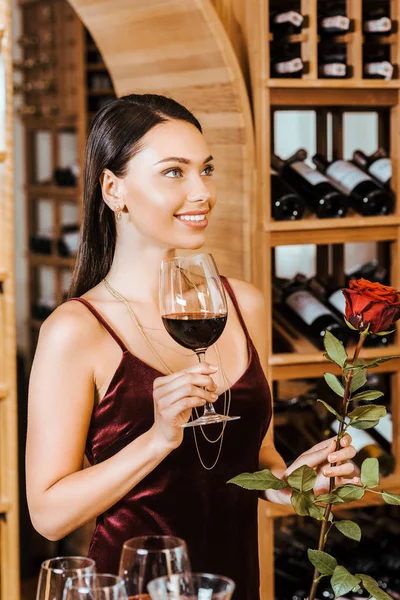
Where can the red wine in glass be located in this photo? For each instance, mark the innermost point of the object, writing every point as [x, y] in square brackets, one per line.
[194, 311]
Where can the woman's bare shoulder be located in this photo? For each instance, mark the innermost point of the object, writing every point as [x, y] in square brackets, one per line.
[249, 297]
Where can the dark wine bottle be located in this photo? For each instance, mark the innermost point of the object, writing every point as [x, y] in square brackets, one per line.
[285, 22]
[376, 20]
[376, 63]
[377, 164]
[286, 61]
[320, 195]
[332, 61]
[313, 317]
[333, 19]
[367, 196]
[69, 240]
[286, 204]
[368, 447]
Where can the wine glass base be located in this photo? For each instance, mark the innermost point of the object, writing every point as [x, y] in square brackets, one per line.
[209, 420]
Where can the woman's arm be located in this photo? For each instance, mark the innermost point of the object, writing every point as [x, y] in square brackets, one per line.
[62, 496]
[252, 304]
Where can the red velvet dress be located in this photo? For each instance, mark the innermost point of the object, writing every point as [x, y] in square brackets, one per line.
[181, 498]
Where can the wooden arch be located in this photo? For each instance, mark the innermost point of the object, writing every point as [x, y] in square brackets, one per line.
[179, 48]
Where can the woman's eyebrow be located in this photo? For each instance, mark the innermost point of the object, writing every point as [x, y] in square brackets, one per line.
[184, 161]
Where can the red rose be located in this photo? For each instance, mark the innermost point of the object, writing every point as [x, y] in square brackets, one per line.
[371, 304]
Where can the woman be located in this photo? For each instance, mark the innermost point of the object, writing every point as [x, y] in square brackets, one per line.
[100, 384]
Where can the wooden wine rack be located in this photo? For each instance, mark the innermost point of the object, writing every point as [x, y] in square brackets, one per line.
[9, 505]
[321, 95]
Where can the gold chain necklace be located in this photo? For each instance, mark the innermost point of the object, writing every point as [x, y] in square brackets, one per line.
[227, 392]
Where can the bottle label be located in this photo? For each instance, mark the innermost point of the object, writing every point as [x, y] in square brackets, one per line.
[381, 169]
[334, 69]
[382, 25]
[306, 306]
[337, 22]
[385, 427]
[383, 68]
[311, 175]
[346, 175]
[289, 66]
[290, 16]
[338, 300]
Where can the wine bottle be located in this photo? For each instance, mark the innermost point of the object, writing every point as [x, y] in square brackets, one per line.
[333, 18]
[377, 164]
[28, 40]
[314, 317]
[376, 63]
[320, 195]
[332, 61]
[367, 447]
[286, 204]
[377, 21]
[69, 240]
[367, 196]
[285, 22]
[286, 61]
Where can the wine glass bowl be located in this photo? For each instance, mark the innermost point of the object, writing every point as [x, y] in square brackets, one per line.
[54, 572]
[191, 586]
[194, 311]
[97, 586]
[146, 558]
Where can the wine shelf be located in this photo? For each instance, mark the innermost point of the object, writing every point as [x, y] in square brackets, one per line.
[4, 391]
[5, 506]
[367, 84]
[53, 191]
[47, 260]
[317, 231]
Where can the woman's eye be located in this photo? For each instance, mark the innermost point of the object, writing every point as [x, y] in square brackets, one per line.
[208, 170]
[173, 173]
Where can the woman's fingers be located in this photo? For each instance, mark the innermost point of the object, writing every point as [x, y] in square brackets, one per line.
[203, 368]
[341, 455]
[185, 392]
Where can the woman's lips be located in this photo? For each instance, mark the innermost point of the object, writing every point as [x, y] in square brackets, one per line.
[193, 221]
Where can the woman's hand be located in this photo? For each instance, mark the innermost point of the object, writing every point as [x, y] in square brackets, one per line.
[321, 456]
[174, 397]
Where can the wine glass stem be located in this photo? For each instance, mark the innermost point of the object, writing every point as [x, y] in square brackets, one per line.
[208, 407]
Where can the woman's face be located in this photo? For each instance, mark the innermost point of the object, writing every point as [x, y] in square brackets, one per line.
[169, 190]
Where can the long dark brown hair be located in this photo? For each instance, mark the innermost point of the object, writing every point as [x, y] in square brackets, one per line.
[114, 138]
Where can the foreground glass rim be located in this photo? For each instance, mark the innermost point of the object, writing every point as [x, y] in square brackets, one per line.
[46, 564]
[138, 543]
[196, 576]
[75, 582]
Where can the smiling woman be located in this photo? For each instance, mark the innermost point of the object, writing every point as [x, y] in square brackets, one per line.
[99, 384]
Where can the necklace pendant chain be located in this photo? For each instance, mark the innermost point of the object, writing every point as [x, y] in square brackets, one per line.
[227, 392]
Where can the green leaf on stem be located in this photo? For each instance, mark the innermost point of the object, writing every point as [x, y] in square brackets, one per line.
[334, 384]
[322, 561]
[385, 332]
[301, 503]
[358, 380]
[378, 361]
[373, 588]
[342, 581]
[363, 424]
[350, 325]
[360, 363]
[302, 479]
[349, 492]
[371, 412]
[329, 499]
[390, 498]
[335, 349]
[370, 472]
[349, 529]
[260, 480]
[368, 395]
[331, 409]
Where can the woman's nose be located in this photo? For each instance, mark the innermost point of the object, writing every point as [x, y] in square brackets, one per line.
[199, 193]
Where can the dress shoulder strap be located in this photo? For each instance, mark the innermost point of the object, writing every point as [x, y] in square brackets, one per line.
[235, 303]
[103, 322]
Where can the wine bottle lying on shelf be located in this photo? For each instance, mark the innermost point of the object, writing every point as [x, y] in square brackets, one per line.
[303, 309]
[286, 204]
[285, 22]
[376, 63]
[332, 61]
[367, 446]
[367, 196]
[43, 308]
[286, 61]
[320, 194]
[376, 20]
[333, 19]
[377, 164]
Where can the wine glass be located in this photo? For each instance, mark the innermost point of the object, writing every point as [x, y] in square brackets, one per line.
[97, 586]
[55, 571]
[191, 586]
[194, 311]
[145, 558]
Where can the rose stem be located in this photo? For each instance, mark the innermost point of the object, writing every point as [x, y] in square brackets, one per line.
[328, 509]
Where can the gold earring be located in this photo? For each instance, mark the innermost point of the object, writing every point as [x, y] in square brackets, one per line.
[118, 214]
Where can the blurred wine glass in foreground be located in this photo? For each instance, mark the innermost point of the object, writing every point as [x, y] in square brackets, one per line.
[55, 571]
[99, 586]
[191, 586]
